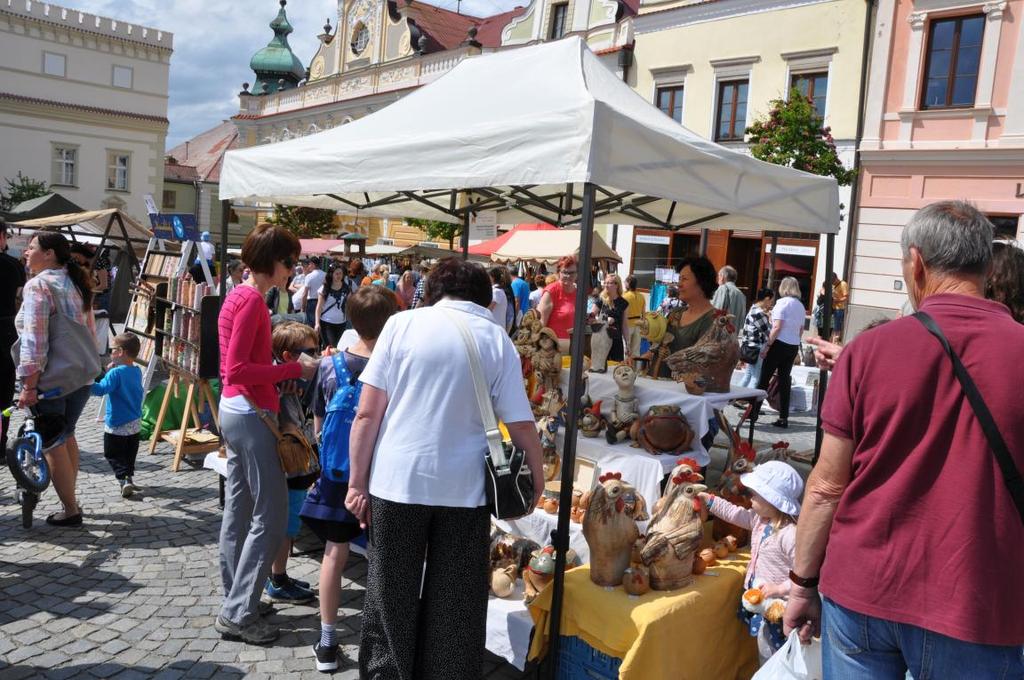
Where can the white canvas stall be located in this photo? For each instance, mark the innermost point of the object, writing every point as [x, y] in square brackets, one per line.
[550, 246]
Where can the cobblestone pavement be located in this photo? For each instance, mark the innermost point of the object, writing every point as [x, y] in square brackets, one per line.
[133, 592]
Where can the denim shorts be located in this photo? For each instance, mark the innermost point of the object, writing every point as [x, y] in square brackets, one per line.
[70, 406]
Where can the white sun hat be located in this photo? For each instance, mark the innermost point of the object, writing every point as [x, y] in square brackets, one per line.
[778, 483]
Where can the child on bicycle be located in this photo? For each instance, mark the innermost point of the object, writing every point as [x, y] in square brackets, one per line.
[335, 399]
[122, 385]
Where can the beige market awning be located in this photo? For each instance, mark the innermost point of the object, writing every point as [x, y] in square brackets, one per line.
[550, 246]
[90, 222]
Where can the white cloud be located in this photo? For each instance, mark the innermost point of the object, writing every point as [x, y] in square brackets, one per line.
[213, 42]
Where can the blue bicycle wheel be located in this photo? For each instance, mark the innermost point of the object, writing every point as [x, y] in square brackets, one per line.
[28, 465]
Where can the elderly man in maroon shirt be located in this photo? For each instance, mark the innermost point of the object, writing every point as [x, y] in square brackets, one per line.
[925, 547]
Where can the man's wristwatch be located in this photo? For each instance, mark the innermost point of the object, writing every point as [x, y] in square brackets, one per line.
[805, 582]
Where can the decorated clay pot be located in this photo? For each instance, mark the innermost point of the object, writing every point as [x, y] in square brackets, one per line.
[551, 506]
[708, 556]
[731, 542]
[503, 581]
[699, 565]
[721, 550]
[636, 580]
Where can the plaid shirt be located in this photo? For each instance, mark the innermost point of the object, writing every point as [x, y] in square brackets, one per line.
[417, 296]
[756, 327]
[33, 320]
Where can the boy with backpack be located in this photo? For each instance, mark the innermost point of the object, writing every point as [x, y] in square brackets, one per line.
[335, 400]
[122, 385]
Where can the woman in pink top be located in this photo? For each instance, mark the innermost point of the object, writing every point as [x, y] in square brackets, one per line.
[256, 493]
[558, 303]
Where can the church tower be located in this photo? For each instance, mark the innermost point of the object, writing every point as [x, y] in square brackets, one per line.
[276, 67]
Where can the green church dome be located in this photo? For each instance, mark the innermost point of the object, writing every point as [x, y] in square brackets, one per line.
[276, 62]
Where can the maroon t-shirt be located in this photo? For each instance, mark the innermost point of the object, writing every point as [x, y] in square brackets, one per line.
[926, 533]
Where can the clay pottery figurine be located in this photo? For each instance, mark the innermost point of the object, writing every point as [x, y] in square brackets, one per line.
[503, 581]
[576, 515]
[721, 550]
[731, 543]
[577, 496]
[600, 345]
[662, 430]
[509, 549]
[712, 358]
[625, 408]
[654, 328]
[592, 422]
[636, 580]
[694, 384]
[740, 462]
[609, 527]
[538, 573]
[699, 565]
[676, 530]
[551, 506]
[547, 360]
[707, 556]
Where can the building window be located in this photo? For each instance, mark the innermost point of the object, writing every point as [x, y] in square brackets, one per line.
[731, 121]
[117, 170]
[954, 54]
[360, 38]
[122, 77]
[65, 165]
[558, 14]
[670, 101]
[170, 201]
[54, 64]
[814, 86]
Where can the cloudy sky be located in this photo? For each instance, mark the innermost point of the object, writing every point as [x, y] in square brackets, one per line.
[213, 42]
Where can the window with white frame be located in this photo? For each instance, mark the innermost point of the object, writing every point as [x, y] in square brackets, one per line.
[953, 62]
[814, 86]
[731, 118]
[122, 76]
[118, 165]
[670, 100]
[65, 165]
[54, 64]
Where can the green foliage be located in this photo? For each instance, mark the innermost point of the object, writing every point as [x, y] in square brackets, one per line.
[21, 189]
[304, 222]
[438, 231]
[792, 135]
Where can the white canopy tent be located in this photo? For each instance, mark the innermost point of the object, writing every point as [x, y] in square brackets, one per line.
[541, 133]
[549, 246]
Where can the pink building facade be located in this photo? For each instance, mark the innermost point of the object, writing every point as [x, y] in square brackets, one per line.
[944, 119]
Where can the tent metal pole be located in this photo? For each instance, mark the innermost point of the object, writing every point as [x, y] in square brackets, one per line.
[826, 316]
[464, 238]
[225, 213]
[704, 236]
[561, 537]
[771, 263]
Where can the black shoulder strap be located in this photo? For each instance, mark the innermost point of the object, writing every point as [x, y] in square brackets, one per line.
[1011, 475]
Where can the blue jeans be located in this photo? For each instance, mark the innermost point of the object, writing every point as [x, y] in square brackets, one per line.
[860, 647]
[752, 373]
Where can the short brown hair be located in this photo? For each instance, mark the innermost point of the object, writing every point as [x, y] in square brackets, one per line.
[268, 244]
[129, 344]
[369, 308]
[567, 261]
[292, 336]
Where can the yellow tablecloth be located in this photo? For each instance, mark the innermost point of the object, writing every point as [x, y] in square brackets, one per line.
[691, 633]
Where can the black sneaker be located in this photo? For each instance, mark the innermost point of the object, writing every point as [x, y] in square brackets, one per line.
[128, 487]
[326, 658]
[259, 632]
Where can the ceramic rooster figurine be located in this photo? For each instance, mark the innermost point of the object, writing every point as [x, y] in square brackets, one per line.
[675, 532]
[712, 358]
[609, 526]
[741, 461]
[592, 422]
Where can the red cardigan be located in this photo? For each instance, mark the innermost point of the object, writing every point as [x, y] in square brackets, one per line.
[246, 360]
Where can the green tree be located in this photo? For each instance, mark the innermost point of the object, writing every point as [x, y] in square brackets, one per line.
[304, 222]
[21, 189]
[438, 231]
[792, 134]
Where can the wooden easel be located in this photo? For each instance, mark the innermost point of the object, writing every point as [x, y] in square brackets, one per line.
[199, 394]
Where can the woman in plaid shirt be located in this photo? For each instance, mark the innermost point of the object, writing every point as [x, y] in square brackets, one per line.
[755, 331]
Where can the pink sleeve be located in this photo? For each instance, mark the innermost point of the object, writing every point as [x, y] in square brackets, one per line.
[733, 514]
[239, 369]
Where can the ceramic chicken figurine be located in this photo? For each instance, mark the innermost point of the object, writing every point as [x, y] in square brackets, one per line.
[676, 529]
[625, 408]
[600, 345]
[740, 462]
[592, 422]
[663, 429]
[547, 360]
[712, 358]
[609, 526]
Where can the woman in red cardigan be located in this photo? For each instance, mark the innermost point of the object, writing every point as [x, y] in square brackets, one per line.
[256, 494]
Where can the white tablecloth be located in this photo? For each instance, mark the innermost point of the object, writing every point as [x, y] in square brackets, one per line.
[509, 627]
[538, 527]
[802, 395]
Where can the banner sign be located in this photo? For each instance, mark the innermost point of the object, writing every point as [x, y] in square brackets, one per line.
[175, 226]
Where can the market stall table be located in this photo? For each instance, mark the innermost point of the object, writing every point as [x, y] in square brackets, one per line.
[509, 627]
[803, 395]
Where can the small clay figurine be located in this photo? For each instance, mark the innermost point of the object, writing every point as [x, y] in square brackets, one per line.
[654, 328]
[509, 549]
[663, 429]
[676, 529]
[539, 573]
[600, 345]
[712, 358]
[636, 580]
[613, 509]
[503, 580]
[592, 422]
[547, 360]
[626, 407]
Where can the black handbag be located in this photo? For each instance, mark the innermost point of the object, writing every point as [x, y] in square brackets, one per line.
[749, 354]
[1011, 475]
[508, 481]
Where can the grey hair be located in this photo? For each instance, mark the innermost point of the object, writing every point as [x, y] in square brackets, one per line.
[728, 273]
[952, 236]
[789, 287]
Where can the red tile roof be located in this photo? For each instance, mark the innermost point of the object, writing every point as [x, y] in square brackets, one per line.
[490, 28]
[179, 173]
[446, 30]
[205, 151]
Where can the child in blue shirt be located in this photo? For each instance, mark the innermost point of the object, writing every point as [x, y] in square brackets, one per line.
[122, 386]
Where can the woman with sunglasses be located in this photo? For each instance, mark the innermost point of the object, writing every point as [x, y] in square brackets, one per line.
[255, 491]
[558, 303]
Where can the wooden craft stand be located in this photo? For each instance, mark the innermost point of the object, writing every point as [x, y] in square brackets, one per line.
[199, 394]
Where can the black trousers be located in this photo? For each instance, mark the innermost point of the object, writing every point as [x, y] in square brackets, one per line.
[779, 360]
[7, 375]
[330, 333]
[425, 624]
[120, 451]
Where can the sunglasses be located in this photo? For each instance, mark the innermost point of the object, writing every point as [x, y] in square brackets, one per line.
[568, 272]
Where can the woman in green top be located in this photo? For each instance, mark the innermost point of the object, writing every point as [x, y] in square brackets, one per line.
[696, 286]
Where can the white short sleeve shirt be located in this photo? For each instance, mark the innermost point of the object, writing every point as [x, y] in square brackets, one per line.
[792, 313]
[314, 280]
[431, 442]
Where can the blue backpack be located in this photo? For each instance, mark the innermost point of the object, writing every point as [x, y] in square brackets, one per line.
[337, 426]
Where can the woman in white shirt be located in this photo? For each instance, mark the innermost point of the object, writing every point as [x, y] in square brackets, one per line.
[417, 478]
[499, 301]
[788, 318]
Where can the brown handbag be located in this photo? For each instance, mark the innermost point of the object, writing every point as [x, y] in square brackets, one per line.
[296, 454]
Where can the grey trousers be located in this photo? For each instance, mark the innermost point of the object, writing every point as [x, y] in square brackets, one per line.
[255, 514]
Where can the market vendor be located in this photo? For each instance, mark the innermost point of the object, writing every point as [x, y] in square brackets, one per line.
[696, 286]
[558, 303]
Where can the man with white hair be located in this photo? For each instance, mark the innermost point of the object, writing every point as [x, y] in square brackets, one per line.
[729, 298]
[917, 493]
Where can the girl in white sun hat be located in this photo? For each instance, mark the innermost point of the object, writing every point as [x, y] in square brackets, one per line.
[775, 490]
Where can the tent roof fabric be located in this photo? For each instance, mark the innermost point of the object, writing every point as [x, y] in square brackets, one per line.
[47, 205]
[318, 246]
[550, 246]
[488, 247]
[92, 222]
[530, 121]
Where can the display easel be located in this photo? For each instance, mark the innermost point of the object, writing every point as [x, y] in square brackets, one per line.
[190, 439]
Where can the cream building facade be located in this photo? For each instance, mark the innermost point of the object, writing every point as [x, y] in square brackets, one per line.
[83, 104]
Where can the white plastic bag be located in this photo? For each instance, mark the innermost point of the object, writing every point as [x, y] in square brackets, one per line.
[793, 661]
